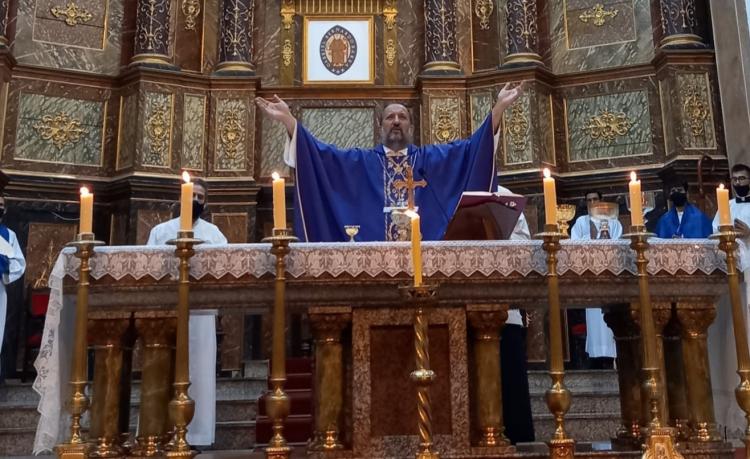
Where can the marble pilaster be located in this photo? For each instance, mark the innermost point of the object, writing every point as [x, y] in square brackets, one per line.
[236, 41]
[523, 32]
[680, 23]
[441, 53]
[152, 33]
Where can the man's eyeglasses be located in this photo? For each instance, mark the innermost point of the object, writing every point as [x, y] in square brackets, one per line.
[740, 179]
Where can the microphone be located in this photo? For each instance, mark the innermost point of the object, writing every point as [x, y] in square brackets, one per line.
[434, 196]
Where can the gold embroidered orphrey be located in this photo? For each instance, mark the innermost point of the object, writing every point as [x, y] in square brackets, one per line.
[410, 186]
[608, 126]
[598, 15]
[61, 129]
[72, 14]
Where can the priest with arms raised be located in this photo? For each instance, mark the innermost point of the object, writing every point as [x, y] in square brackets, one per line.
[357, 186]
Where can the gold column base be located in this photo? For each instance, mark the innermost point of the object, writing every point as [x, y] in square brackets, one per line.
[235, 66]
[561, 448]
[660, 445]
[493, 437]
[159, 59]
[72, 451]
[427, 455]
[523, 58]
[326, 441]
[278, 452]
[441, 66]
[681, 39]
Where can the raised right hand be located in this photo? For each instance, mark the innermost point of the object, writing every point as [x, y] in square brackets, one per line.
[278, 110]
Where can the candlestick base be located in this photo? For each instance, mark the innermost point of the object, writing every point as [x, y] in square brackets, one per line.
[84, 241]
[185, 238]
[72, 450]
[638, 231]
[660, 445]
[551, 231]
[561, 448]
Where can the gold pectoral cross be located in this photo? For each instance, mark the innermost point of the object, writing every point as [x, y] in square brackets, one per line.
[410, 185]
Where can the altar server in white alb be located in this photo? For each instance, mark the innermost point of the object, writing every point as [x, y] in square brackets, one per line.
[201, 430]
[12, 265]
[721, 346]
[600, 341]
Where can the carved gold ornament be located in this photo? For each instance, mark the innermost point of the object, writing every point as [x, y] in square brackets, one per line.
[389, 14]
[72, 13]
[390, 52]
[608, 126]
[191, 9]
[695, 109]
[597, 15]
[231, 134]
[445, 125]
[287, 13]
[517, 127]
[286, 53]
[61, 129]
[157, 130]
[483, 9]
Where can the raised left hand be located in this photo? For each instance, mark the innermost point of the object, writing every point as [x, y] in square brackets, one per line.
[508, 95]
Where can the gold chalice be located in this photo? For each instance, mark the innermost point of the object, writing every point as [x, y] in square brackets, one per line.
[565, 213]
[351, 231]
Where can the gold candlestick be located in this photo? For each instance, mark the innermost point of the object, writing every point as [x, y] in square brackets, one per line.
[728, 243]
[76, 448]
[421, 298]
[660, 439]
[557, 396]
[277, 401]
[182, 407]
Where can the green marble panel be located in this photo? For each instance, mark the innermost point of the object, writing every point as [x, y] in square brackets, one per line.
[231, 135]
[59, 130]
[546, 128]
[193, 129]
[126, 142]
[517, 141]
[343, 127]
[609, 126]
[697, 114]
[481, 104]
[157, 129]
[591, 23]
[272, 148]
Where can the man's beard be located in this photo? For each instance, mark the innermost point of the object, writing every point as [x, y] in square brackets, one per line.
[396, 140]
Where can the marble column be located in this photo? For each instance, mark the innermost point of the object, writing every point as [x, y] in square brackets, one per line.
[523, 32]
[441, 52]
[327, 325]
[157, 334]
[236, 42]
[152, 33]
[486, 322]
[695, 319]
[629, 358]
[107, 334]
[675, 379]
[680, 23]
[4, 23]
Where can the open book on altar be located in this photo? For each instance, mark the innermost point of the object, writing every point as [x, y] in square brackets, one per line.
[481, 215]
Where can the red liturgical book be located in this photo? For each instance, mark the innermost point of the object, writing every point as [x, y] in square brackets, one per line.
[484, 216]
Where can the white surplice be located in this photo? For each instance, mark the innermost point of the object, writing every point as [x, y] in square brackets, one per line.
[202, 429]
[600, 341]
[17, 266]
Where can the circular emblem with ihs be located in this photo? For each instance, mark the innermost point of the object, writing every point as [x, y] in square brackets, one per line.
[338, 49]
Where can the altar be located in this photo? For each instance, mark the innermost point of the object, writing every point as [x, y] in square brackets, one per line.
[350, 292]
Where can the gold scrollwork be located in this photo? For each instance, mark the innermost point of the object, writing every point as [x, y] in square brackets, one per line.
[608, 126]
[390, 52]
[695, 109]
[483, 9]
[597, 15]
[286, 53]
[287, 13]
[445, 125]
[517, 127]
[232, 134]
[157, 130]
[191, 9]
[72, 14]
[389, 14]
[61, 129]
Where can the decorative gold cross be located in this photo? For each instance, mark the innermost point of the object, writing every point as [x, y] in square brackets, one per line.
[410, 185]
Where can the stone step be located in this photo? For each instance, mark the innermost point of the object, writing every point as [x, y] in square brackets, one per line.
[588, 427]
[16, 441]
[582, 402]
[576, 381]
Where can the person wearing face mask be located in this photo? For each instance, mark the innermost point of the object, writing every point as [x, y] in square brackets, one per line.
[683, 220]
[201, 430]
[12, 265]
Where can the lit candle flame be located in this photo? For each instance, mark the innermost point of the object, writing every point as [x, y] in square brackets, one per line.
[84, 191]
[721, 186]
[186, 176]
[275, 176]
[411, 214]
[632, 176]
[547, 173]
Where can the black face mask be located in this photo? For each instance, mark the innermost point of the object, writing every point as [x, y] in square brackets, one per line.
[197, 209]
[2, 212]
[742, 190]
[678, 199]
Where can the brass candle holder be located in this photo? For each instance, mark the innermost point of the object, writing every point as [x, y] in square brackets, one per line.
[277, 401]
[659, 442]
[557, 396]
[728, 243]
[76, 447]
[421, 299]
[182, 407]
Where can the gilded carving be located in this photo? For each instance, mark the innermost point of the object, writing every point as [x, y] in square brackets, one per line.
[61, 129]
[598, 15]
[72, 14]
[232, 135]
[287, 53]
[390, 52]
[445, 124]
[389, 14]
[158, 131]
[695, 110]
[517, 127]
[608, 126]
[191, 9]
[483, 9]
[522, 22]
[677, 12]
[287, 14]
[152, 24]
